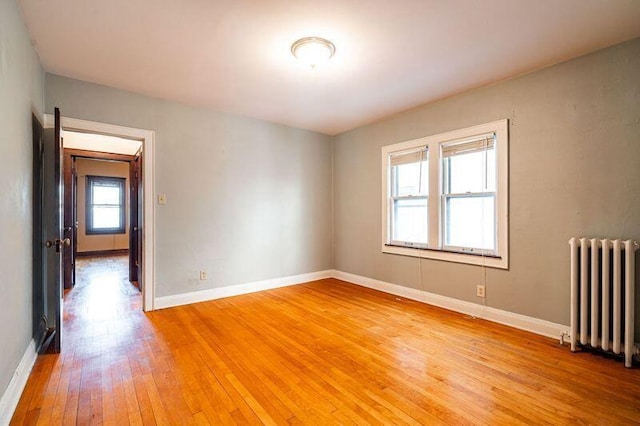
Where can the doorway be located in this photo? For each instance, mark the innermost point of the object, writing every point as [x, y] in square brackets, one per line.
[102, 203]
[103, 145]
[101, 218]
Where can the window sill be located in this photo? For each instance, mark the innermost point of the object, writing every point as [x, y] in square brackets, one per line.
[490, 261]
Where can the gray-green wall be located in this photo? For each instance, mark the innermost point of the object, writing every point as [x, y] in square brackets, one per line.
[247, 200]
[574, 171]
[21, 93]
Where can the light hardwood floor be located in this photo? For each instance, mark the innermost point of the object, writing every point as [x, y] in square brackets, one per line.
[325, 352]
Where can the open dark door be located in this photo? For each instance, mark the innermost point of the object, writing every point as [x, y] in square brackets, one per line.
[52, 242]
[74, 240]
[135, 221]
[38, 292]
[68, 258]
[140, 213]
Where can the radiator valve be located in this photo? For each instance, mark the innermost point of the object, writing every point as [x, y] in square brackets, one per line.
[564, 335]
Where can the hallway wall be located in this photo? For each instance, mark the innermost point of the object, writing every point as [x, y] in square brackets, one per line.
[247, 200]
[21, 94]
[89, 167]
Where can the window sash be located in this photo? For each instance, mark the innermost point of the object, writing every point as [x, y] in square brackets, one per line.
[96, 185]
[446, 166]
[419, 157]
[97, 209]
[393, 212]
[445, 226]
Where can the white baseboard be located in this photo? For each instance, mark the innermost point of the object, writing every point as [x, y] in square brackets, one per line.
[522, 322]
[236, 290]
[11, 396]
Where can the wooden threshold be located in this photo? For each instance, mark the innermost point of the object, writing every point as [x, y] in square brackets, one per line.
[102, 253]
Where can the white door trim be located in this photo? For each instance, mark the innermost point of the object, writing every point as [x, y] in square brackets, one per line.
[148, 227]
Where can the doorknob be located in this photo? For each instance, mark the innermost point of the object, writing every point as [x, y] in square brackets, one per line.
[58, 243]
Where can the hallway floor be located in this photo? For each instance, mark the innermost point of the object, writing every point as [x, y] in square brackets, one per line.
[103, 291]
[102, 319]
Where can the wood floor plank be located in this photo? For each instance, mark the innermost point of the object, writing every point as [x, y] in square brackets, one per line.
[325, 352]
[73, 395]
[50, 392]
[62, 394]
[32, 388]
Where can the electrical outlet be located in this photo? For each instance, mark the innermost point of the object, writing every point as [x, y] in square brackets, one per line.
[162, 199]
[203, 275]
[480, 290]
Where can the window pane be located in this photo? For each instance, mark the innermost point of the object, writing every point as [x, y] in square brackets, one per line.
[411, 179]
[106, 217]
[106, 194]
[472, 172]
[470, 222]
[410, 221]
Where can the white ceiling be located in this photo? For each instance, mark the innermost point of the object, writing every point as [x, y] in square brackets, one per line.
[100, 143]
[233, 55]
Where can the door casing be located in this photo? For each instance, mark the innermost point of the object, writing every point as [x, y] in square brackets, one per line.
[147, 137]
[69, 221]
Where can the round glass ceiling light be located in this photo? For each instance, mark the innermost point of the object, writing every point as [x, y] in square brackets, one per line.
[313, 51]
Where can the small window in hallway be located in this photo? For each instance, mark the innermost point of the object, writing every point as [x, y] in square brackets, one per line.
[105, 205]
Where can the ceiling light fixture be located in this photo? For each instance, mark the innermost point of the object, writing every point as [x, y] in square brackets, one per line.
[313, 51]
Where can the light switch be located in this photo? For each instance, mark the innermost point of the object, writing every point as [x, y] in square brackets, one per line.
[162, 199]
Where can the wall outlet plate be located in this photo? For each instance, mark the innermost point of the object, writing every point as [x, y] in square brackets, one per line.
[480, 290]
[203, 275]
[162, 199]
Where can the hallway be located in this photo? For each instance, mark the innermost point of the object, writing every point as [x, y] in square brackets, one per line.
[103, 310]
[102, 321]
[103, 294]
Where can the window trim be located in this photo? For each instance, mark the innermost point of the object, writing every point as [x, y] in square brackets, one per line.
[435, 249]
[89, 229]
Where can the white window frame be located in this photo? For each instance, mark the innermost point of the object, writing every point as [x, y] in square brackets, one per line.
[435, 248]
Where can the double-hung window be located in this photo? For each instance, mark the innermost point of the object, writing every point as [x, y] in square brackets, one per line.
[446, 196]
[105, 207]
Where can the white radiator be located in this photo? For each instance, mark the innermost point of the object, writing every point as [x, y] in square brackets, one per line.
[603, 295]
